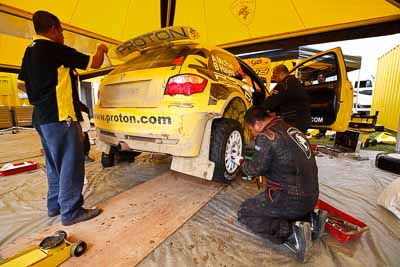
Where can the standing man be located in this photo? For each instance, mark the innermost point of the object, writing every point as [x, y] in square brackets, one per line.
[283, 211]
[289, 99]
[47, 75]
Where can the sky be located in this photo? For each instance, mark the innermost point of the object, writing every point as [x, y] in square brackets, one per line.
[370, 49]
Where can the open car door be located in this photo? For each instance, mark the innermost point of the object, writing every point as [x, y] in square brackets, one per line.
[324, 78]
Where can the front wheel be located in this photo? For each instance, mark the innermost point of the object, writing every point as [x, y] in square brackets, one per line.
[226, 144]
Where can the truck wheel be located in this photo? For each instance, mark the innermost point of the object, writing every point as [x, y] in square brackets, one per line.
[388, 162]
[107, 160]
[226, 144]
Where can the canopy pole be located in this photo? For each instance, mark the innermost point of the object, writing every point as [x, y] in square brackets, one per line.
[398, 138]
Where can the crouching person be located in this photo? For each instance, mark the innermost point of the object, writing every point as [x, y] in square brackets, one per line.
[284, 212]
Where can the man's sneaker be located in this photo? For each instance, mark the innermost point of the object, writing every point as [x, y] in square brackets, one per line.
[83, 215]
[300, 241]
[53, 213]
[318, 219]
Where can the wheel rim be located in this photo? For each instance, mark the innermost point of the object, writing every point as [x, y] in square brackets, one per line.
[233, 149]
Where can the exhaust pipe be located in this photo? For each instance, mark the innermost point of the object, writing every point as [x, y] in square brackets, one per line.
[122, 146]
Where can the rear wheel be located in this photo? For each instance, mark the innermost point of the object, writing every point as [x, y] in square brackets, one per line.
[226, 144]
[128, 155]
[107, 160]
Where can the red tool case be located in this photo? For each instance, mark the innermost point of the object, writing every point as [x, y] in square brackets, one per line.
[20, 167]
[341, 225]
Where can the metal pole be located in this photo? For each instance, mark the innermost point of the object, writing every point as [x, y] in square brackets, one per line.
[358, 89]
[398, 138]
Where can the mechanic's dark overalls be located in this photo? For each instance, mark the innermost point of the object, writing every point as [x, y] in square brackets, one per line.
[290, 101]
[284, 156]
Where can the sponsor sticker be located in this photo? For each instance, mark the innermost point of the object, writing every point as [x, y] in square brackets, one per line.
[300, 140]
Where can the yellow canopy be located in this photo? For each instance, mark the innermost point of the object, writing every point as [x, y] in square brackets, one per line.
[226, 23]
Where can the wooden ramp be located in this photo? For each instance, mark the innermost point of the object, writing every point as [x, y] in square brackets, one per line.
[133, 223]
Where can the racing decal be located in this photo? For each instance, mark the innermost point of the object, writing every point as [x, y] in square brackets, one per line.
[131, 119]
[244, 10]
[317, 120]
[300, 140]
[224, 63]
[155, 37]
[261, 65]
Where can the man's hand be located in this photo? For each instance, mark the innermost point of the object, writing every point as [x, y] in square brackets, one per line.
[98, 58]
[238, 160]
[102, 48]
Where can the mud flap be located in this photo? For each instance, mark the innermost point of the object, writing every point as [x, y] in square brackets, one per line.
[199, 166]
[103, 147]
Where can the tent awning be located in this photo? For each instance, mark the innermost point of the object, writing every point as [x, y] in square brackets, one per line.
[237, 25]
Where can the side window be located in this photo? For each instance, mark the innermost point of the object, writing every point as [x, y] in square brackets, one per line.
[318, 71]
[251, 81]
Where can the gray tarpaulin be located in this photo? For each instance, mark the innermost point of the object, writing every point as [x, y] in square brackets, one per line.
[213, 237]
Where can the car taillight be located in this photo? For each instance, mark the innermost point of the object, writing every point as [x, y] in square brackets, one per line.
[178, 60]
[185, 84]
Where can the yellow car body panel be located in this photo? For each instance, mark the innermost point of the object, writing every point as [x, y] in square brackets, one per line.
[156, 122]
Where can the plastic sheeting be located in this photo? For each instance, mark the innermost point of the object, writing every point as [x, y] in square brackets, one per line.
[390, 198]
[213, 237]
[23, 197]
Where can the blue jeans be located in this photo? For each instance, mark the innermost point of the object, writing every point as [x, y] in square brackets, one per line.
[63, 147]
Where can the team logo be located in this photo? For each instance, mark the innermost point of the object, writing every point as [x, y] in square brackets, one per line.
[244, 10]
[300, 140]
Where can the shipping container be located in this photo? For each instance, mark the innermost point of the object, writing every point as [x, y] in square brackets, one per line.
[14, 104]
[386, 95]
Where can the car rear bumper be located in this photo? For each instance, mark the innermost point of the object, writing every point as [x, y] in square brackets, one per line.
[178, 133]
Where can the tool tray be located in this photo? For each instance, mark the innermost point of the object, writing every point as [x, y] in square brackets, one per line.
[20, 167]
[341, 225]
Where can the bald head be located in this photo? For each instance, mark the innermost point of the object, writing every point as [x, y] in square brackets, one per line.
[280, 72]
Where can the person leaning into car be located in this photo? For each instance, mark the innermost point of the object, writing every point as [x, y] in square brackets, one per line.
[289, 99]
[47, 76]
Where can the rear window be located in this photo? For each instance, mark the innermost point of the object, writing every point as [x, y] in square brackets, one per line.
[157, 58]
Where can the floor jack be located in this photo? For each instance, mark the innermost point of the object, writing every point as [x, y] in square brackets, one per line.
[52, 251]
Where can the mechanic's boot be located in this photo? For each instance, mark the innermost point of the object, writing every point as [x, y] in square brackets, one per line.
[300, 241]
[318, 219]
[83, 215]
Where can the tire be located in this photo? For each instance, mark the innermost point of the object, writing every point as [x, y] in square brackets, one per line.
[107, 160]
[388, 162]
[226, 134]
[128, 155]
[78, 248]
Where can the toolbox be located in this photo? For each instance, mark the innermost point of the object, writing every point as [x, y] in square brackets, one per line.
[19, 167]
[341, 225]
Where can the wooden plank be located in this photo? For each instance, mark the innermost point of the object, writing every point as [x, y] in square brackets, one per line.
[133, 223]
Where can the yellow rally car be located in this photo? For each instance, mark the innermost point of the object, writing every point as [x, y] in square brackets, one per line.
[178, 97]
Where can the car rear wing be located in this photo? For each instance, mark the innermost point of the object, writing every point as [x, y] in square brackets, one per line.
[164, 35]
